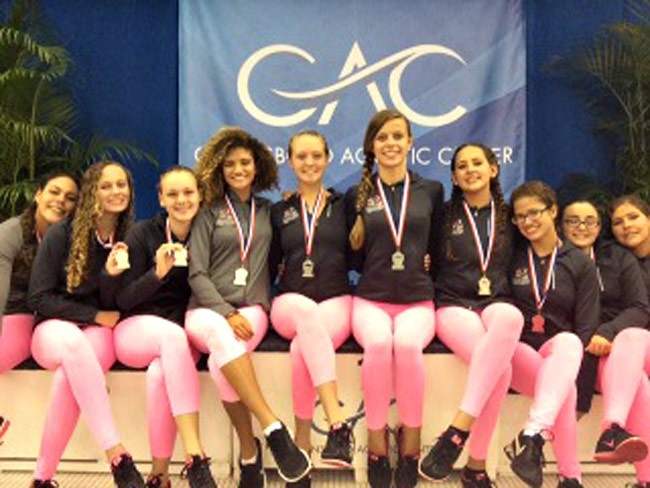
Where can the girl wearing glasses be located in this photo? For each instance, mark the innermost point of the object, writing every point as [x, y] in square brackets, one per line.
[396, 215]
[473, 316]
[556, 287]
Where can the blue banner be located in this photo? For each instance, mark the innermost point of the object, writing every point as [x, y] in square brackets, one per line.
[456, 69]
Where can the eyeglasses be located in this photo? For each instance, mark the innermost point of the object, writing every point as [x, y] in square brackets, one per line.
[532, 214]
[575, 222]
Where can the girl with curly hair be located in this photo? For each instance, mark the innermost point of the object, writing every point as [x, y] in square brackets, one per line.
[55, 198]
[396, 216]
[153, 297]
[72, 290]
[474, 316]
[229, 277]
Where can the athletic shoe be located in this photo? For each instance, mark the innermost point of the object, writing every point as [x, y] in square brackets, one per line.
[252, 475]
[637, 485]
[44, 484]
[293, 463]
[380, 475]
[4, 426]
[157, 482]
[301, 483]
[526, 454]
[125, 474]
[339, 447]
[197, 472]
[439, 461]
[616, 446]
[569, 483]
[470, 478]
[406, 472]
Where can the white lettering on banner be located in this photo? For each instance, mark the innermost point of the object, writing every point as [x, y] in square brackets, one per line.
[347, 78]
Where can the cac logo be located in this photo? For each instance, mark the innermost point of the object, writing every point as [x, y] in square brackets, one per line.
[355, 70]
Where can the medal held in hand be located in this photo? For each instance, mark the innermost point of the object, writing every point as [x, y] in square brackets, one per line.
[180, 251]
[537, 322]
[241, 273]
[484, 288]
[309, 228]
[398, 259]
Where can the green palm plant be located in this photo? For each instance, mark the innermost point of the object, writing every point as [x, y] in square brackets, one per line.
[38, 118]
[613, 76]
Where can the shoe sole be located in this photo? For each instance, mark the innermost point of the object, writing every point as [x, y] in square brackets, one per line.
[337, 463]
[301, 475]
[429, 478]
[631, 450]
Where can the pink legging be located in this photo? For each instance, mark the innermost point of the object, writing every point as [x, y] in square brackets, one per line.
[626, 388]
[15, 340]
[393, 338]
[140, 340]
[486, 340]
[209, 332]
[79, 358]
[315, 330]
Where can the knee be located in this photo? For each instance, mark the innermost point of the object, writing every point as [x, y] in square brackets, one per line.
[174, 334]
[505, 319]
[632, 336]
[570, 346]
[378, 346]
[406, 346]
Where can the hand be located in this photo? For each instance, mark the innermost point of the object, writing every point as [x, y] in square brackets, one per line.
[240, 326]
[165, 259]
[107, 318]
[111, 261]
[599, 346]
[427, 262]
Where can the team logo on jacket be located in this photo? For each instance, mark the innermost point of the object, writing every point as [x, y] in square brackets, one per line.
[223, 217]
[521, 277]
[374, 204]
[457, 228]
[289, 215]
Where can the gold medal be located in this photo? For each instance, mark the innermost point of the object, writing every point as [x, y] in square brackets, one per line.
[308, 268]
[397, 261]
[241, 277]
[484, 286]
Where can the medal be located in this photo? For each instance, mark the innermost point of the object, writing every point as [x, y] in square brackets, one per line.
[180, 254]
[307, 268]
[398, 259]
[540, 296]
[538, 323]
[484, 285]
[241, 276]
[241, 273]
[309, 228]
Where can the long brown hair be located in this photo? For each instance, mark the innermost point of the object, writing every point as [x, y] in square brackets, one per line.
[365, 186]
[209, 166]
[83, 223]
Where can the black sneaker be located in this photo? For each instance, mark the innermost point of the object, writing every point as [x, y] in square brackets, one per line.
[569, 483]
[470, 478]
[293, 463]
[339, 447]
[379, 473]
[616, 446]
[44, 484]
[197, 472]
[439, 461]
[157, 482]
[526, 454]
[638, 484]
[301, 483]
[252, 475]
[125, 474]
[406, 472]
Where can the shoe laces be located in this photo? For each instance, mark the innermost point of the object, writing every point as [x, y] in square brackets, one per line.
[342, 436]
[447, 448]
[535, 444]
[198, 469]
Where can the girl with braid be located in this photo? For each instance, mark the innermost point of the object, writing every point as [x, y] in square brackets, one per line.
[474, 316]
[55, 198]
[396, 214]
[72, 290]
[229, 277]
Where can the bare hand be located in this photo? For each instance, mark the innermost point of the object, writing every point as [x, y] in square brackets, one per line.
[165, 259]
[599, 346]
[111, 261]
[107, 318]
[240, 326]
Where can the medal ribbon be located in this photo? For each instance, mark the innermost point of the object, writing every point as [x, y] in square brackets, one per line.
[397, 234]
[244, 243]
[484, 256]
[309, 226]
[109, 243]
[540, 298]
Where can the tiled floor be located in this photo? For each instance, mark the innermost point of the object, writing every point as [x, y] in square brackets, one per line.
[322, 479]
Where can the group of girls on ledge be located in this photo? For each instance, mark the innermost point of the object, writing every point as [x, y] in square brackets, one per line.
[551, 315]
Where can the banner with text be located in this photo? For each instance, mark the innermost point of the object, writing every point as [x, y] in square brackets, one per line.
[457, 70]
